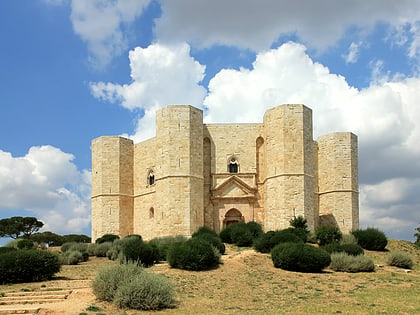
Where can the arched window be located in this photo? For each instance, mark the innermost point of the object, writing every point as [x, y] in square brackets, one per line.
[233, 166]
[150, 178]
[151, 213]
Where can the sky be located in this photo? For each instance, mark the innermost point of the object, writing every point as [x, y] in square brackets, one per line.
[74, 70]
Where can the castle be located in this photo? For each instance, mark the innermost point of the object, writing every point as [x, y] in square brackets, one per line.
[193, 174]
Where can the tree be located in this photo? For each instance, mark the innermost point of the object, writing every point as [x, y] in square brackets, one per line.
[16, 227]
[48, 237]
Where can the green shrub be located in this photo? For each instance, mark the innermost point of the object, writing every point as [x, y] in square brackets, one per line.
[163, 244]
[71, 257]
[24, 243]
[399, 259]
[109, 279]
[194, 254]
[299, 257]
[348, 239]
[214, 240]
[327, 234]
[130, 286]
[255, 228]
[107, 238]
[347, 263]
[27, 266]
[145, 291]
[267, 241]
[133, 249]
[75, 238]
[6, 249]
[350, 249]
[300, 227]
[371, 239]
[240, 233]
[204, 230]
[102, 248]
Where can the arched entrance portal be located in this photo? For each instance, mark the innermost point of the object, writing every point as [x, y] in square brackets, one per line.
[232, 216]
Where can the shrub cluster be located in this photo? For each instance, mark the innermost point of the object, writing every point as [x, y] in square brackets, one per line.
[210, 236]
[371, 239]
[241, 233]
[133, 249]
[267, 241]
[400, 259]
[130, 286]
[327, 234]
[73, 257]
[27, 266]
[107, 238]
[350, 249]
[195, 254]
[348, 263]
[299, 257]
[163, 244]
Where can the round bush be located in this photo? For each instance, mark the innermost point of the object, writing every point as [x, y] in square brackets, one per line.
[299, 257]
[145, 291]
[6, 249]
[350, 249]
[371, 239]
[163, 244]
[348, 263]
[266, 242]
[107, 238]
[204, 230]
[399, 259]
[327, 235]
[25, 244]
[28, 265]
[109, 279]
[101, 249]
[194, 254]
[214, 240]
[135, 250]
[71, 257]
[255, 228]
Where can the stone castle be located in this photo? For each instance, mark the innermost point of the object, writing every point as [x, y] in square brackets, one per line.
[193, 174]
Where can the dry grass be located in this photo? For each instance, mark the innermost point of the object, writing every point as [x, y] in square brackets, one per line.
[247, 283]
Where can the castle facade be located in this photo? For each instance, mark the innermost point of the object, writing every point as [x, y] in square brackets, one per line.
[193, 174]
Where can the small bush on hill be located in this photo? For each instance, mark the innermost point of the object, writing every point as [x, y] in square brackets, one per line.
[214, 240]
[195, 254]
[81, 247]
[204, 230]
[348, 239]
[240, 233]
[129, 286]
[102, 249]
[400, 259]
[350, 249]
[327, 235]
[134, 250]
[27, 266]
[6, 249]
[371, 239]
[255, 228]
[266, 242]
[300, 227]
[347, 263]
[76, 238]
[72, 257]
[163, 244]
[107, 238]
[299, 257]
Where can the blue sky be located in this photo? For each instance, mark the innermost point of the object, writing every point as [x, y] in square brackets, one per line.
[73, 70]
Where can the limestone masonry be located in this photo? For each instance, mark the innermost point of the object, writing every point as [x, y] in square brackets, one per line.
[193, 174]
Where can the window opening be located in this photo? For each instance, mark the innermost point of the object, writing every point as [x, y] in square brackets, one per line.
[151, 178]
[151, 213]
[233, 166]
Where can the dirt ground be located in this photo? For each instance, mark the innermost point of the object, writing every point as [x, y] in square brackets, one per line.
[246, 283]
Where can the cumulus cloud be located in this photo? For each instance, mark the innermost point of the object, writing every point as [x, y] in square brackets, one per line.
[160, 75]
[101, 24]
[46, 183]
[257, 25]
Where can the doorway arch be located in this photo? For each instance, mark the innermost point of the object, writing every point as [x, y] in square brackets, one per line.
[232, 216]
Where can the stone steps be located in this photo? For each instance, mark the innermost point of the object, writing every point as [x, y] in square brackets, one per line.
[17, 311]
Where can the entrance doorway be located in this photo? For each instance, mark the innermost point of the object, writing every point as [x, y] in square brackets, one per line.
[232, 216]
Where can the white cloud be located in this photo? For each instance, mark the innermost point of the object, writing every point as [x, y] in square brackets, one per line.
[257, 25]
[353, 53]
[100, 24]
[47, 183]
[161, 75]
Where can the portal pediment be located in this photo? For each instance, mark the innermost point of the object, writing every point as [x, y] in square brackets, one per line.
[234, 187]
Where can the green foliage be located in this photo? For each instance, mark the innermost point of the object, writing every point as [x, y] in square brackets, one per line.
[130, 286]
[371, 239]
[76, 238]
[81, 247]
[6, 249]
[101, 249]
[71, 257]
[400, 259]
[350, 249]
[240, 233]
[417, 236]
[299, 257]
[24, 243]
[163, 244]
[16, 227]
[195, 254]
[204, 230]
[348, 239]
[255, 228]
[27, 266]
[47, 237]
[134, 250]
[214, 240]
[107, 238]
[348, 263]
[327, 234]
[266, 242]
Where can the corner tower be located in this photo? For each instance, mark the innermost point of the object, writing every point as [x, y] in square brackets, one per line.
[289, 166]
[112, 186]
